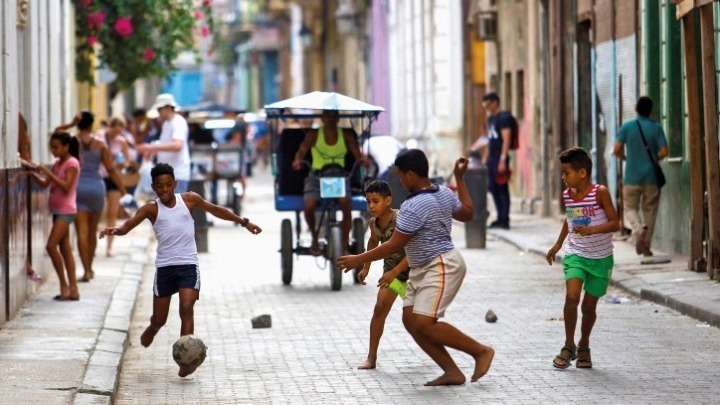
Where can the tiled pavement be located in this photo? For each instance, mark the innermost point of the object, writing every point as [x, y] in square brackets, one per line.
[59, 352]
[643, 352]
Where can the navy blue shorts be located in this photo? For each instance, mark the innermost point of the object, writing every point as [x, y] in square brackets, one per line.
[170, 279]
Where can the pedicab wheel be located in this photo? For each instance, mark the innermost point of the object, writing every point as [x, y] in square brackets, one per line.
[358, 231]
[334, 251]
[286, 250]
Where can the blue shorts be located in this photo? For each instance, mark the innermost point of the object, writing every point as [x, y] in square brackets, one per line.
[170, 279]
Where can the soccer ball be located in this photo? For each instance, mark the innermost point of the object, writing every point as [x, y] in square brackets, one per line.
[189, 351]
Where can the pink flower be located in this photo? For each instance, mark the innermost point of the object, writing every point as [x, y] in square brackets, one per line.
[206, 3]
[92, 40]
[123, 26]
[95, 20]
[149, 54]
[87, 3]
[205, 31]
[198, 14]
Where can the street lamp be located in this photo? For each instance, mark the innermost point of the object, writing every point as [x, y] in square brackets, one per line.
[306, 36]
[346, 18]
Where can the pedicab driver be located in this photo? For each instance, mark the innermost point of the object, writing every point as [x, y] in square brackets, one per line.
[328, 144]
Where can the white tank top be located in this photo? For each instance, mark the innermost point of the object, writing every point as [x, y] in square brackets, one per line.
[586, 212]
[175, 231]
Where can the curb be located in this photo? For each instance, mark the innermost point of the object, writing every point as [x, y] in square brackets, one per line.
[104, 365]
[676, 300]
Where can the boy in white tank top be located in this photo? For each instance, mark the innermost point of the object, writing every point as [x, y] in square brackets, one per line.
[176, 260]
[591, 219]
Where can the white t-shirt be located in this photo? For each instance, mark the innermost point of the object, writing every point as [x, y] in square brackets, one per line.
[177, 128]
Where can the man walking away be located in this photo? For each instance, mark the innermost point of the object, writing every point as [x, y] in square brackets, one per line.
[640, 187]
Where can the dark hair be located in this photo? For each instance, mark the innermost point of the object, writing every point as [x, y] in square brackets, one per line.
[67, 139]
[379, 187]
[139, 112]
[577, 158]
[160, 169]
[491, 97]
[86, 120]
[413, 160]
[644, 106]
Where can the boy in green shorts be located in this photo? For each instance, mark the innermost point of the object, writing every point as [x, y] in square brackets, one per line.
[395, 267]
[591, 219]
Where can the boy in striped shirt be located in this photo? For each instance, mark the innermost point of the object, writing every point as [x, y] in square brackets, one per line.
[437, 269]
[591, 219]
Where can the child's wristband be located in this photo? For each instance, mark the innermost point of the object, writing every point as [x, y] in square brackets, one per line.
[244, 222]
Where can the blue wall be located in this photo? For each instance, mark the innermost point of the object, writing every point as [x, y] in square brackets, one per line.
[186, 87]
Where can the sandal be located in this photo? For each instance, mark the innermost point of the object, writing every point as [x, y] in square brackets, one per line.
[61, 298]
[566, 359]
[87, 277]
[584, 362]
[315, 251]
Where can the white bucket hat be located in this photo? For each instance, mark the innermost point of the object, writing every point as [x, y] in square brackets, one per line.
[163, 100]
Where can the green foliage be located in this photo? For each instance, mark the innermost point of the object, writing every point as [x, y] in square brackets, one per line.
[161, 30]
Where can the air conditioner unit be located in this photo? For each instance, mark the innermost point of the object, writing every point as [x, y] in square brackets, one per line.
[486, 25]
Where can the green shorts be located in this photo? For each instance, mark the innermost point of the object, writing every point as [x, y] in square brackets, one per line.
[595, 273]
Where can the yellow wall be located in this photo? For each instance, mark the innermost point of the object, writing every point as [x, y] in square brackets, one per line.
[477, 52]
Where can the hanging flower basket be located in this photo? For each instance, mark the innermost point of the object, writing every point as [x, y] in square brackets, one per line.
[137, 39]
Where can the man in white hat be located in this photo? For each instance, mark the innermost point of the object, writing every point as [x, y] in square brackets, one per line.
[172, 146]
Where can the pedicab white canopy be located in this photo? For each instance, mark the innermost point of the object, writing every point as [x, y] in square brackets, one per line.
[320, 100]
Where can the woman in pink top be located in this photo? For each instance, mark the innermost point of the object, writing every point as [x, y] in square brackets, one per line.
[63, 180]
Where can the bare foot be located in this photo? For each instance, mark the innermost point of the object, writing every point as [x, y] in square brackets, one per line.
[455, 378]
[482, 363]
[367, 365]
[147, 337]
[186, 371]
[109, 253]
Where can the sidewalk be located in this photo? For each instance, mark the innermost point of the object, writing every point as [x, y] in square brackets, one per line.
[65, 352]
[671, 284]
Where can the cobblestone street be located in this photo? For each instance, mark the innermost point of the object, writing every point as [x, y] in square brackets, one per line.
[642, 352]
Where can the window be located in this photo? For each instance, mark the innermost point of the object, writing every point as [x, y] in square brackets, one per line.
[507, 92]
[520, 92]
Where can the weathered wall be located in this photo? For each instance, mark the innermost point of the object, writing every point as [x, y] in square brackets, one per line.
[17, 227]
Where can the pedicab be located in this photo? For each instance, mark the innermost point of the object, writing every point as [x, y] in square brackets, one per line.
[289, 183]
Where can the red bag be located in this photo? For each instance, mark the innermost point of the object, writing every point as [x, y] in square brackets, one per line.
[502, 178]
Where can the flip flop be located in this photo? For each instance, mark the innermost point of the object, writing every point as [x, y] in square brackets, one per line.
[61, 298]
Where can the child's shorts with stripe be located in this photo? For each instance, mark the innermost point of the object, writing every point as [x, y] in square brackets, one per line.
[432, 287]
[595, 273]
[170, 279]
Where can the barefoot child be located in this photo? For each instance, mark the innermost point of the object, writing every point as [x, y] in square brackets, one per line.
[177, 259]
[591, 220]
[423, 228]
[63, 180]
[382, 226]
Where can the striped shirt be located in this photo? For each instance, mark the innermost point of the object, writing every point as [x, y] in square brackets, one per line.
[427, 216]
[586, 212]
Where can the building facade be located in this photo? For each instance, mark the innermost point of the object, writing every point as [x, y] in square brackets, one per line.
[38, 82]
[426, 67]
